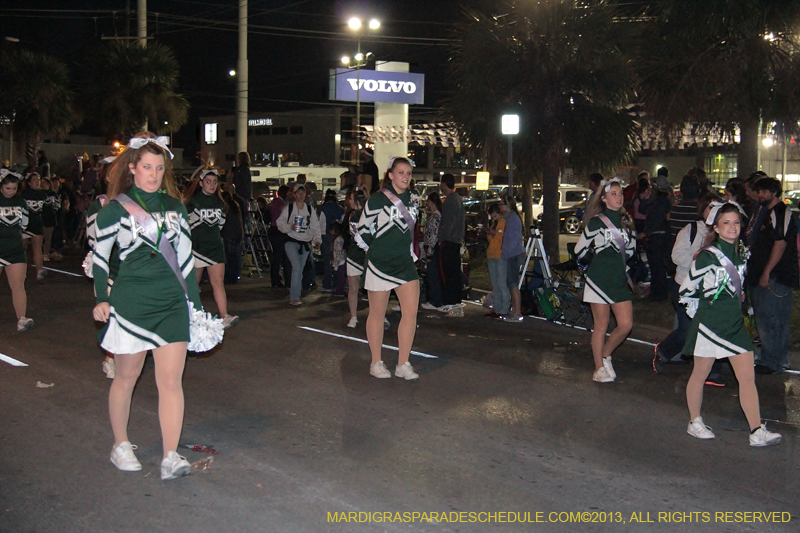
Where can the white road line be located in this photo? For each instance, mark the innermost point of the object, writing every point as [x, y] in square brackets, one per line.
[11, 361]
[584, 329]
[362, 341]
[65, 272]
[568, 325]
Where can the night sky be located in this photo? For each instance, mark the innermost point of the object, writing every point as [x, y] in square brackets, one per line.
[292, 43]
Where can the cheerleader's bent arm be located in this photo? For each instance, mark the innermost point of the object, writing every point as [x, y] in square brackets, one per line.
[186, 259]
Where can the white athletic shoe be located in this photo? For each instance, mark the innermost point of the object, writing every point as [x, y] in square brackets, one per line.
[609, 368]
[396, 308]
[762, 437]
[174, 466]
[229, 320]
[24, 324]
[109, 368]
[353, 322]
[602, 376]
[406, 371]
[429, 306]
[699, 430]
[379, 370]
[123, 458]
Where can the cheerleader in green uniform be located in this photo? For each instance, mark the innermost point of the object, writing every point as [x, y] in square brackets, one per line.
[13, 221]
[206, 218]
[610, 231]
[146, 308]
[113, 262]
[387, 229]
[355, 201]
[35, 198]
[713, 294]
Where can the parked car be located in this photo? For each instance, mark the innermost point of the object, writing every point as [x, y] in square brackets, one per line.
[569, 196]
[792, 200]
[570, 218]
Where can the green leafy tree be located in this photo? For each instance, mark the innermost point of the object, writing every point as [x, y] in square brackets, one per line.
[128, 86]
[560, 65]
[721, 63]
[35, 96]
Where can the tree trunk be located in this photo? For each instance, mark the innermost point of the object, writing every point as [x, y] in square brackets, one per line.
[747, 162]
[527, 209]
[550, 220]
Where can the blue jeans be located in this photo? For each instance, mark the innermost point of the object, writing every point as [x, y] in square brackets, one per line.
[498, 273]
[672, 345]
[434, 278]
[772, 308]
[298, 255]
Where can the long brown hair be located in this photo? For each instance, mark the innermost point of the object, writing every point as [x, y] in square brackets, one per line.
[595, 206]
[121, 177]
[191, 190]
[712, 235]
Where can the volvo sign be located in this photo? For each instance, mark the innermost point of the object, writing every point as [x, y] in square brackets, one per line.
[378, 86]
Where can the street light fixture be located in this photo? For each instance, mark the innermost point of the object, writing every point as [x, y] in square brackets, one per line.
[355, 25]
[510, 126]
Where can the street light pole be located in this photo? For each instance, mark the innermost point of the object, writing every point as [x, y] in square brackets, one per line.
[358, 90]
[510, 126]
[355, 25]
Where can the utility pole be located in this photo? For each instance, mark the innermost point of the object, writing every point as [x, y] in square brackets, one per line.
[241, 81]
[141, 15]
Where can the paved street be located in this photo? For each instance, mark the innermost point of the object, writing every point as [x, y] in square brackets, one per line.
[504, 418]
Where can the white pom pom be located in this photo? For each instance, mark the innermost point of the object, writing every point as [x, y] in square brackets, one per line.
[205, 331]
[691, 305]
[88, 263]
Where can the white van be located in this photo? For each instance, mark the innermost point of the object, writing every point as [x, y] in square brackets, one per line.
[569, 195]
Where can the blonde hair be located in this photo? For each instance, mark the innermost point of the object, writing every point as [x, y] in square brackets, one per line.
[120, 175]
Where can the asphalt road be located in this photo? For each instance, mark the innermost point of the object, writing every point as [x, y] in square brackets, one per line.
[505, 418]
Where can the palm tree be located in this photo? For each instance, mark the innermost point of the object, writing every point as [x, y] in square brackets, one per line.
[35, 96]
[722, 63]
[129, 86]
[560, 65]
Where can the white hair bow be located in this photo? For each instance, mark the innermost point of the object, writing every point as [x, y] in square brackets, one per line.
[392, 159]
[606, 184]
[5, 172]
[715, 207]
[161, 140]
[208, 171]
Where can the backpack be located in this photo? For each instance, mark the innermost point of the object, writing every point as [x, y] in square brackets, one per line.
[672, 268]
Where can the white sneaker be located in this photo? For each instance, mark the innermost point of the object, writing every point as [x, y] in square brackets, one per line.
[445, 308]
[123, 458]
[109, 368]
[602, 376]
[24, 324]
[609, 368]
[396, 308]
[762, 437]
[174, 466]
[45, 257]
[229, 320]
[379, 371]
[699, 430]
[429, 306]
[353, 322]
[406, 371]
